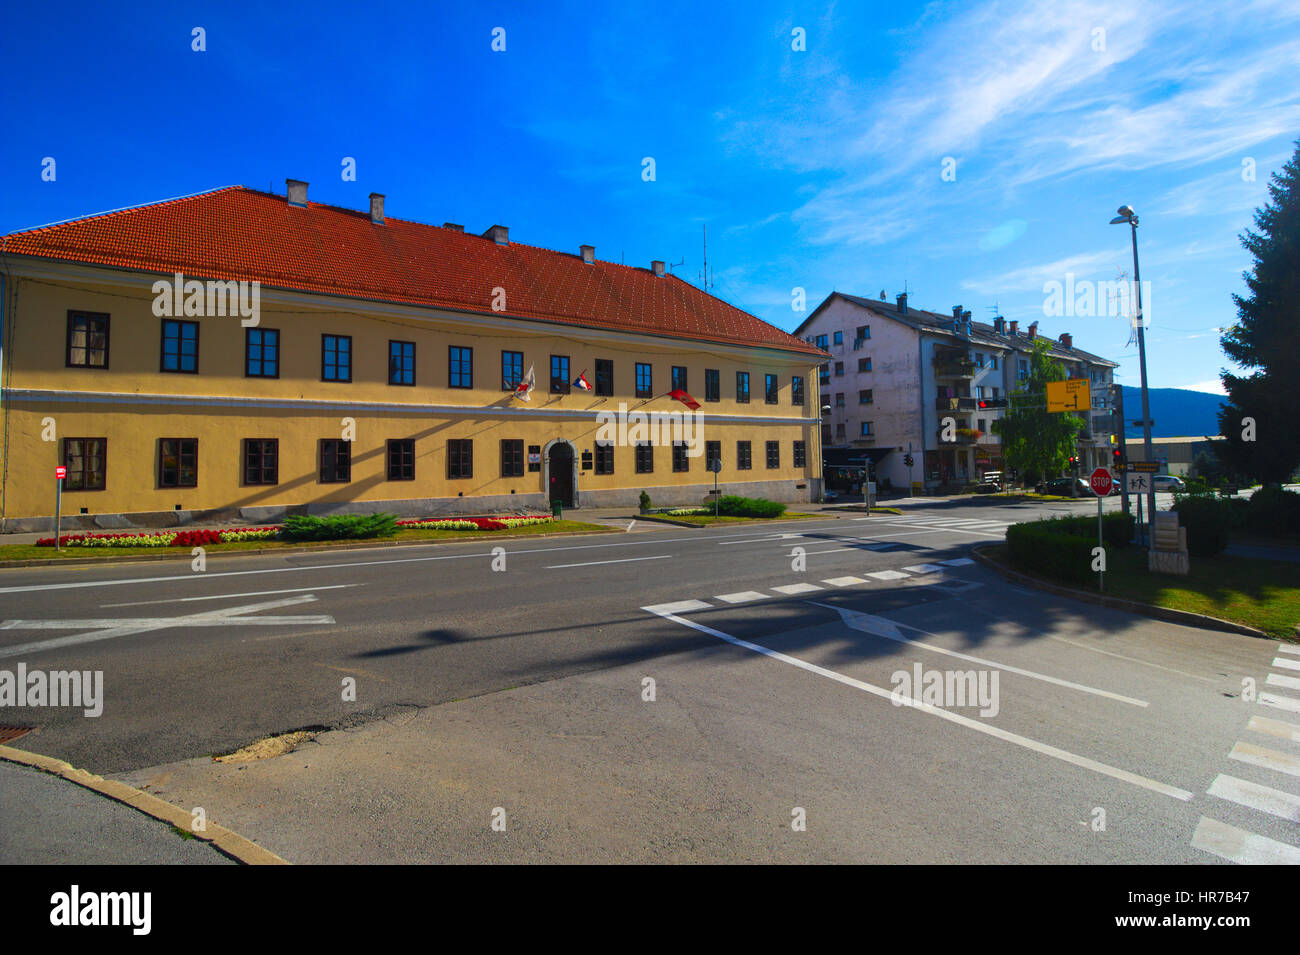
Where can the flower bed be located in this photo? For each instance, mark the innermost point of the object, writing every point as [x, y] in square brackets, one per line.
[472, 523]
[195, 538]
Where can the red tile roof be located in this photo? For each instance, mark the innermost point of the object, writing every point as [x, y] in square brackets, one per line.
[244, 234]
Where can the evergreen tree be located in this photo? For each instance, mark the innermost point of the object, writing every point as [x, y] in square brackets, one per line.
[1034, 439]
[1267, 338]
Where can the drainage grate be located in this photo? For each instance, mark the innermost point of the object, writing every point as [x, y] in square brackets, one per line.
[10, 733]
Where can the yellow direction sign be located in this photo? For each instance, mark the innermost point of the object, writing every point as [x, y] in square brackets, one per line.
[1070, 395]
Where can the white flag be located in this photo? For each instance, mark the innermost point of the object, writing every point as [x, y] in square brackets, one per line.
[525, 387]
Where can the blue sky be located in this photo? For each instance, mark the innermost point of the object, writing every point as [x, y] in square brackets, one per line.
[818, 168]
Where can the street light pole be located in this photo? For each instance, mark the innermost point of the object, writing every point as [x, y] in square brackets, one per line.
[1126, 214]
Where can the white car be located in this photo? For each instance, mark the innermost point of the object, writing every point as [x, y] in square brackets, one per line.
[1167, 482]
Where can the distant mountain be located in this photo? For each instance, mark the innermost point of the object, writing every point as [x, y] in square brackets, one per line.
[1176, 412]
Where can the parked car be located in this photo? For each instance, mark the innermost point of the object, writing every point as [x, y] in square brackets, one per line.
[1061, 487]
[1167, 482]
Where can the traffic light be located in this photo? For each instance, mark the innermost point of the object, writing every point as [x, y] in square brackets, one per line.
[1074, 461]
[992, 403]
[1114, 456]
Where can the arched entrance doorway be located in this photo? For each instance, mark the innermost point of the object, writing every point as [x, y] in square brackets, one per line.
[560, 473]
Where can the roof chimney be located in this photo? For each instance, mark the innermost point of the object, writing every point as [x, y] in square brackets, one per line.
[296, 190]
[453, 226]
[657, 266]
[1033, 329]
[902, 303]
[999, 324]
[956, 312]
[498, 234]
[965, 322]
[1067, 339]
[1015, 328]
[588, 253]
[377, 208]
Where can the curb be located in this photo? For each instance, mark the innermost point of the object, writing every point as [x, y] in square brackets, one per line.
[1168, 614]
[222, 839]
[184, 554]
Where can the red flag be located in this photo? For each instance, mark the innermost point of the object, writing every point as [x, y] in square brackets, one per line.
[684, 398]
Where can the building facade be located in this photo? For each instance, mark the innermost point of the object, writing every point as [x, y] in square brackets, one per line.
[903, 381]
[242, 355]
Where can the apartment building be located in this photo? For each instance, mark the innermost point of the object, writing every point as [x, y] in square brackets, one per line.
[902, 380]
[248, 354]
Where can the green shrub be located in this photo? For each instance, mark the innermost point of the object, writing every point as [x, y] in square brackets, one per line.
[301, 527]
[735, 506]
[1116, 527]
[1274, 512]
[645, 501]
[1040, 548]
[1207, 520]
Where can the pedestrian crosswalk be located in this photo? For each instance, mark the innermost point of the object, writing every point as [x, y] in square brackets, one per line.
[1271, 799]
[979, 526]
[808, 587]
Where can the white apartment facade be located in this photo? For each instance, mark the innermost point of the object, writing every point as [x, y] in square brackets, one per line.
[898, 374]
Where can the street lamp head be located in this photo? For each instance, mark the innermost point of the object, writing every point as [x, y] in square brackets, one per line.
[1126, 211]
[826, 409]
[1126, 215]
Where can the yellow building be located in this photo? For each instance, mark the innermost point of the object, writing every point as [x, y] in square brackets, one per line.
[241, 355]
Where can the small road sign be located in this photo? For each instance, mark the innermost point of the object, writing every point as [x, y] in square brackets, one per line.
[1100, 482]
[1138, 482]
[1147, 467]
[60, 472]
[1072, 394]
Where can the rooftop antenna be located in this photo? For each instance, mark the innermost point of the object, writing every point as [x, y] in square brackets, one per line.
[676, 265]
[705, 275]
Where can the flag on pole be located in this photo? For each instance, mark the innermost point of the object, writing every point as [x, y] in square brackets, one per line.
[582, 382]
[525, 387]
[684, 398]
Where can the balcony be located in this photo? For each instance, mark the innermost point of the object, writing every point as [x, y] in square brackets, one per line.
[865, 439]
[953, 365]
[956, 404]
[962, 437]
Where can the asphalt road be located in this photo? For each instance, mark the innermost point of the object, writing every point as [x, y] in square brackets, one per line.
[524, 688]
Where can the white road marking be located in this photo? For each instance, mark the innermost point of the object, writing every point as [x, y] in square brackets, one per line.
[631, 523]
[1262, 724]
[1268, 758]
[844, 581]
[884, 627]
[941, 530]
[1045, 749]
[796, 588]
[1286, 663]
[1290, 682]
[108, 628]
[255, 593]
[923, 568]
[598, 563]
[1288, 703]
[681, 606]
[957, 562]
[1120, 656]
[1254, 796]
[1240, 846]
[743, 596]
[888, 575]
[1289, 648]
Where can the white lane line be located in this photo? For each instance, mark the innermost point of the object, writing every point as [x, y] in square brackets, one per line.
[923, 568]
[1254, 796]
[1289, 648]
[1267, 758]
[1288, 703]
[844, 581]
[1286, 663]
[941, 530]
[597, 563]
[743, 596]
[654, 541]
[1238, 845]
[889, 630]
[957, 562]
[109, 628]
[1262, 724]
[797, 588]
[1120, 656]
[768, 539]
[255, 593]
[888, 575]
[1290, 682]
[1045, 749]
[681, 606]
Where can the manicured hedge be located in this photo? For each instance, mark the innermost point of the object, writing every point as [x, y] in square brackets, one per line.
[301, 527]
[1062, 548]
[1274, 512]
[1208, 521]
[733, 505]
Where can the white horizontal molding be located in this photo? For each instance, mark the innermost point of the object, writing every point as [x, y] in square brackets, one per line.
[45, 396]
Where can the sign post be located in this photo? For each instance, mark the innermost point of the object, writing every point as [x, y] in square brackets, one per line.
[715, 465]
[1100, 482]
[60, 472]
[907, 459]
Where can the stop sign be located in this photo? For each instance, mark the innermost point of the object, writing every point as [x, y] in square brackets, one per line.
[1100, 482]
[60, 472]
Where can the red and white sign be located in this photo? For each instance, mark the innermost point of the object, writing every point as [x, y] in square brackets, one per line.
[1100, 482]
[60, 472]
